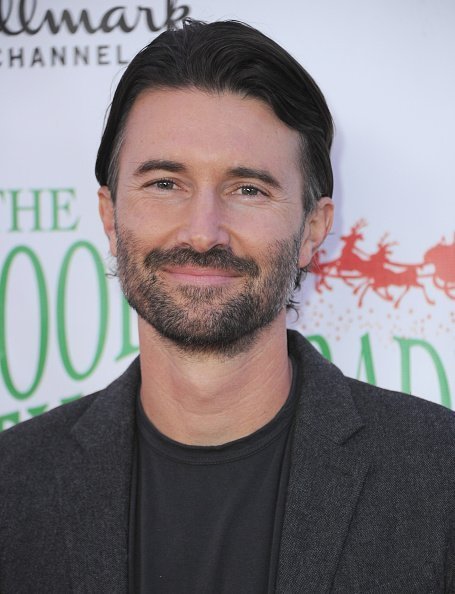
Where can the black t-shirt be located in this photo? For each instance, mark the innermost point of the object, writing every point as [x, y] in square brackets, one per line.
[207, 519]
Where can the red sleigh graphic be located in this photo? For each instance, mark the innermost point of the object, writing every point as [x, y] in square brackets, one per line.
[377, 272]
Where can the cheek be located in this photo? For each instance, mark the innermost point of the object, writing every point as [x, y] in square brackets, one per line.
[148, 219]
[277, 228]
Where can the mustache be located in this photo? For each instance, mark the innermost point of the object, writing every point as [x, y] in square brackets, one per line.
[216, 257]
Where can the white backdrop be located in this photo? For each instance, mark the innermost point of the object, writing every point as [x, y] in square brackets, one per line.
[386, 69]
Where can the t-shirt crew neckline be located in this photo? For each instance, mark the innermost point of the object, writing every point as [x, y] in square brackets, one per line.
[227, 452]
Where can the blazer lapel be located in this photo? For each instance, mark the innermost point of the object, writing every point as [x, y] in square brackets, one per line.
[326, 479]
[325, 482]
[94, 488]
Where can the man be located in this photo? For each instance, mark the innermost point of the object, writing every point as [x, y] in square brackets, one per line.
[231, 457]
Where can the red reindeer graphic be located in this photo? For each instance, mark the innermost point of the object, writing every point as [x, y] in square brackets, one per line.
[442, 257]
[384, 274]
[321, 270]
[350, 264]
[352, 258]
[377, 272]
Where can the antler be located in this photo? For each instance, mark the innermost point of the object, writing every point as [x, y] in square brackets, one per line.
[359, 225]
[382, 242]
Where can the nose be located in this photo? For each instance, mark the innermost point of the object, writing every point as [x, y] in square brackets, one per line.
[203, 226]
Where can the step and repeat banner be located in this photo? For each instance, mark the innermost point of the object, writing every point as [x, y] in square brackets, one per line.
[380, 301]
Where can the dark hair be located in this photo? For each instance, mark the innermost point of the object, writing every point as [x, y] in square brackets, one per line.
[234, 57]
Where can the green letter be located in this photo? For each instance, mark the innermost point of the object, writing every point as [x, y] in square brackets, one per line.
[7, 421]
[405, 346]
[37, 410]
[16, 208]
[127, 347]
[70, 398]
[322, 345]
[61, 312]
[58, 206]
[43, 301]
[366, 356]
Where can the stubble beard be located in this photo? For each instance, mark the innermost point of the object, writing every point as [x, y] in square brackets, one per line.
[220, 320]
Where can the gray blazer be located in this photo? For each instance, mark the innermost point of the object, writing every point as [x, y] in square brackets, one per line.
[370, 503]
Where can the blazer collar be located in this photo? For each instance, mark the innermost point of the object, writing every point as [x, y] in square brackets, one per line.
[326, 404]
[94, 477]
[326, 477]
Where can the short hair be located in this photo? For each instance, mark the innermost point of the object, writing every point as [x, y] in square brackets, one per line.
[227, 56]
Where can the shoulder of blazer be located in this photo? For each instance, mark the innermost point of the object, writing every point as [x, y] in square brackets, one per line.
[332, 401]
[65, 480]
[362, 457]
[27, 447]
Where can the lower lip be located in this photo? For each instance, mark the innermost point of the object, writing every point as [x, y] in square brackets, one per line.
[201, 279]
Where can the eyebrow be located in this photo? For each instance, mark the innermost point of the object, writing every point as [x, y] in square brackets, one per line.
[259, 174]
[176, 167]
[154, 164]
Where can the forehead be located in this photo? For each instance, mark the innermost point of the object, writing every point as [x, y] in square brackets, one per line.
[215, 129]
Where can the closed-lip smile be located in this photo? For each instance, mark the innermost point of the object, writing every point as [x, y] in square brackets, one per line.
[200, 275]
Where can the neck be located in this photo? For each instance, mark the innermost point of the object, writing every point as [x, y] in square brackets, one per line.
[209, 399]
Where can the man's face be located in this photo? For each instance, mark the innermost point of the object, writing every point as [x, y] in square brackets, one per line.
[208, 221]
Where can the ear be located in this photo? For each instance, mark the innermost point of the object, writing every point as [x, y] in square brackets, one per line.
[317, 227]
[107, 213]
